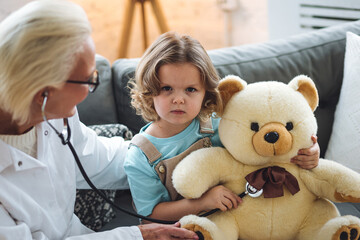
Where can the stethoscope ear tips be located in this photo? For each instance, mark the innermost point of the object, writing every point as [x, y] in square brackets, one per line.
[45, 93]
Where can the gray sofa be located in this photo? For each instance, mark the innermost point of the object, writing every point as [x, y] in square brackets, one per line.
[318, 54]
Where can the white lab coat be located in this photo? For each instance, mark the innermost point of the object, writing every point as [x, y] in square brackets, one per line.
[37, 196]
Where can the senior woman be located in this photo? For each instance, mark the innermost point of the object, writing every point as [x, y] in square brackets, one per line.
[47, 67]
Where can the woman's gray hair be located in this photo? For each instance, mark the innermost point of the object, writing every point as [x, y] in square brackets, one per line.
[39, 44]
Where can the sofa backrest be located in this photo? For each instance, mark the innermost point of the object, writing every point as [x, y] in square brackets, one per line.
[318, 54]
[100, 107]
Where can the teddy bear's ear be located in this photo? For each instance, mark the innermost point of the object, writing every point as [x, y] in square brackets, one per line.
[230, 85]
[307, 88]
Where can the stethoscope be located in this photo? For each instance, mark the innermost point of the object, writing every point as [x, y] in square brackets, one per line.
[65, 136]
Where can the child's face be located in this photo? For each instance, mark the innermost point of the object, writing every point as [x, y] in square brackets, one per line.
[181, 94]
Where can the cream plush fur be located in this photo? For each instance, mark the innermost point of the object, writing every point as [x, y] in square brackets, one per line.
[309, 214]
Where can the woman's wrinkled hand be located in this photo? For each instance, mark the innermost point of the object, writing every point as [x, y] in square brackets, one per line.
[154, 231]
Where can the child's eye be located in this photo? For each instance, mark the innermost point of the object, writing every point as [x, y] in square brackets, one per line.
[166, 88]
[190, 89]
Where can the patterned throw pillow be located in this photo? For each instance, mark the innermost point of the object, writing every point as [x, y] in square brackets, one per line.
[112, 130]
[93, 211]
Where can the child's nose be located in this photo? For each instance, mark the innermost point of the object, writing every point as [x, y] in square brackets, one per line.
[178, 99]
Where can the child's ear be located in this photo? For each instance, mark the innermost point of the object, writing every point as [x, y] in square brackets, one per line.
[230, 85]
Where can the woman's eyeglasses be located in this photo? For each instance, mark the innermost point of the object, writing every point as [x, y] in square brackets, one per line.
[93, 81]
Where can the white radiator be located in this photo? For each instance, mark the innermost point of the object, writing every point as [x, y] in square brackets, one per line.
[287, 17]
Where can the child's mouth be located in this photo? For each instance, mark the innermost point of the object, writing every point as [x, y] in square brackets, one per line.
[178, 112]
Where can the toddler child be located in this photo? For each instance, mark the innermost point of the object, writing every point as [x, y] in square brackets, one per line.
[175, 89]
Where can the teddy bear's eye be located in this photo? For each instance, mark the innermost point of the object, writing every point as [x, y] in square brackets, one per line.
[289, 126]
[254, 126]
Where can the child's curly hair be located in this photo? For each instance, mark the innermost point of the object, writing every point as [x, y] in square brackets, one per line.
[172, 48]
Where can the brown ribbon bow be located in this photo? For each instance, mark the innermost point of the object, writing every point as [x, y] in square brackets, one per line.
[271, 180]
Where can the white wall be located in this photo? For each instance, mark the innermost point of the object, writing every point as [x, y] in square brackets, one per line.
[244, 21]
[282, 18]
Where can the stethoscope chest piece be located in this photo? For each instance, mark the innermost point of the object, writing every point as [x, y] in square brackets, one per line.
[251, 191]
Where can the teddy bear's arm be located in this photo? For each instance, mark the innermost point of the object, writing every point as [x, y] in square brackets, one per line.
[333, 181]
[201, 170]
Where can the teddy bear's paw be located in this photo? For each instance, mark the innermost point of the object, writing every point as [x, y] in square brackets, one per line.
[344, 198]
[351, 232]
[201, 232]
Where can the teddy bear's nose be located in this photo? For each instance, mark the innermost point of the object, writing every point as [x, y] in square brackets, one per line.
[271, 137]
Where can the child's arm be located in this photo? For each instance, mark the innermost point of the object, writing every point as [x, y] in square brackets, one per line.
[308, 158]
[216, 197]
[146, 188]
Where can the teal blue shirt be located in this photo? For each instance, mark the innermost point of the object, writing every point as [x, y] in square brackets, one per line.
[146, 188]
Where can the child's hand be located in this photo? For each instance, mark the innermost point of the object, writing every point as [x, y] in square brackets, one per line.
[220, 197]
[308, 158]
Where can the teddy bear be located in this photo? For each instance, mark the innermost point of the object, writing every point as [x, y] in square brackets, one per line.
[262, 127]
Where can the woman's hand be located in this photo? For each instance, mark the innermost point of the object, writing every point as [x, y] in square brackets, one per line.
[220, 197]
[154, 231]
[308, 158]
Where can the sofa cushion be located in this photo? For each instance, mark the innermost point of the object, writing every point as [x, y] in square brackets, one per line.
[344, 144]
[99, 106]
